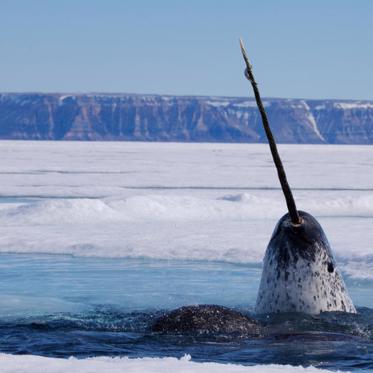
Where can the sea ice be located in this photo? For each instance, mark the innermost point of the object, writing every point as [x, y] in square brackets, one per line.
[31, 364]
[180, 201]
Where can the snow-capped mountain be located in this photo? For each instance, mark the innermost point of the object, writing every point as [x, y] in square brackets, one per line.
[38, 116]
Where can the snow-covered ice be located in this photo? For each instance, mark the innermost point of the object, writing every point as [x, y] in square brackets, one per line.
[180, 201]
[31, 364]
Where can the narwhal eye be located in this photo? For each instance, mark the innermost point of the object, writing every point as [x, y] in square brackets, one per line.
[330, 267]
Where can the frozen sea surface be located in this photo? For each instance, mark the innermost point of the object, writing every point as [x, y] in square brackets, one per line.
[96, 239]
[180, 201]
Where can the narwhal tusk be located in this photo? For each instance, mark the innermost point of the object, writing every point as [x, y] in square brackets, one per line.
[272, 143]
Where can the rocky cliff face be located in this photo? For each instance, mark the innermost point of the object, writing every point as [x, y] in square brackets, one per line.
[181, 118]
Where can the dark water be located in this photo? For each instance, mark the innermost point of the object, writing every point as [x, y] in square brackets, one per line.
[330, 341]
[61, 306]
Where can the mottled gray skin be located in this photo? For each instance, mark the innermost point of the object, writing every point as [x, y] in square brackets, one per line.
[205, 320]
[299, 271]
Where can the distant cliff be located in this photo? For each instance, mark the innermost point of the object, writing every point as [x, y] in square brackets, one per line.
[181, 118]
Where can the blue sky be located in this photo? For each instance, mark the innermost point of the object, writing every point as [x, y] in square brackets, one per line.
[309, 49]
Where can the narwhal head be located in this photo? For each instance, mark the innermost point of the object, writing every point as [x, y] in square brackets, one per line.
[299, 271]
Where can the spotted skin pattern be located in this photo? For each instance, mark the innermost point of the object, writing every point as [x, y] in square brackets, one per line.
[299, 272]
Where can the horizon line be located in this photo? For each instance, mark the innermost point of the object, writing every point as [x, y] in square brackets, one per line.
[103, 93]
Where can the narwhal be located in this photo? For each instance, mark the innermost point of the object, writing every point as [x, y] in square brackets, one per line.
[299, 271]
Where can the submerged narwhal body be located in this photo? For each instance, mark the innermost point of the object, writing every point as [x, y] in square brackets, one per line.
[299, 272]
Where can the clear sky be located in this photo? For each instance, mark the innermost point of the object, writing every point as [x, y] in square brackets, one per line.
[299, 48]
